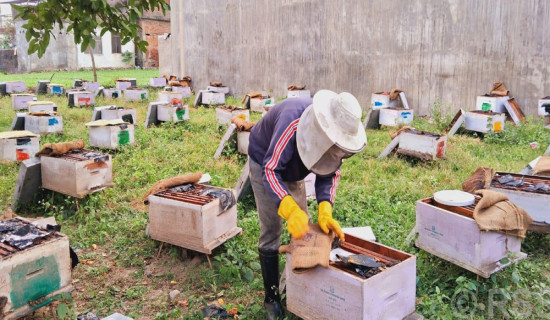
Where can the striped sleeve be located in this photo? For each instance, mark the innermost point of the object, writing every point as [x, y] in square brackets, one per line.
[325, 187]
[280, 152]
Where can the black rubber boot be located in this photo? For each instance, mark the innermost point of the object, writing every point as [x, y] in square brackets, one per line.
[269, 260]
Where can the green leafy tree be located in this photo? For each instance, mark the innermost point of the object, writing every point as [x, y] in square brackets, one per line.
[84, 18]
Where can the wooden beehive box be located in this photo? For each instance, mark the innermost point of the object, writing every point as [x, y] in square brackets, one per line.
[39, 106]
[395, 116]
[127, 114]
[112, 135]
[541, 110]
[333, 293]
[123, 84]
[380, 100]
[222, 89]
[224, 114]
[42, 86]
[169, 95]
[452, 234]
[169, 112]
[191, 221]
[90, 86]
[422, 145]
[111, 93]
[489, 103]
[157, 82]
[56, 89]
[81, 98]
[34, 275]
[298, 94]
[536, 203]
[135, 94]
[44, 124]
[18, 145]
[213, 98]
[19, 100]
[484, 121]
[242, 141]
[258, 104]
[185, 91]
[77, 173]
[15, 87]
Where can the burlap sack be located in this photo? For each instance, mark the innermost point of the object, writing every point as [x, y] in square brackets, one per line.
[480, 179]
[310, 251]
[171, 182]
[57, 149]
[543, 167]
[186, 78]
[394, 93]
[294, 87]
[499, 89]
[216, 84]
[494, 212]
[399, 131]
[242, 125]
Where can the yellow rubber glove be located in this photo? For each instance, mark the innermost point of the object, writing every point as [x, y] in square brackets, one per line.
[326, 222]
[297, 219]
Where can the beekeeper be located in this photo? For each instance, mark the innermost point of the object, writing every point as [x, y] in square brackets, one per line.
[296, 137]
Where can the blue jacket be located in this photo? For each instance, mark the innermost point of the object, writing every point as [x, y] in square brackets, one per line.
[273, 146]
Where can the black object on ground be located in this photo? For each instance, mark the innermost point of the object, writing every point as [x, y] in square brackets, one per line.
[213, 311]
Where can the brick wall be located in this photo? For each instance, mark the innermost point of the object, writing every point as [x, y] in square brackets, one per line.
[151, 29]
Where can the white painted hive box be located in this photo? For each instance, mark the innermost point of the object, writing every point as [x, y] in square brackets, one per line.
[157, 82]
[456, 238]
[213, 98]
[331, 293]
[258, 104]
[40, 106]
[111, 93]
[198, 224]
[224, 115]
[380, 100]
[83, 98]
[77, 174]
[243, 138]
[111, 136]
[542, 110]
[19, 100]
[422, 145]
[298, 94]
[169, 112]
[91, 86]
[395, 116]
[135, 94]
[222, 89]
[55, 89]
[495, 104]
[123, 84]
[34, 274]
[18, 145]
[44, 124]
[185, 91]
[15, 86]
[484, 121]
[169, 95]
[535, 203]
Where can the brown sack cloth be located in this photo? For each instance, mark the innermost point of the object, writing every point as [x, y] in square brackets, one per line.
[296, 87]
[499, 89]
[543, 167]
[57, 149]
[310, 251]
[480, 179]
[395, 93]
[242, 125]
[216, 84]
[495, 212]
[401, 130]
[252, 96]
[172, 182]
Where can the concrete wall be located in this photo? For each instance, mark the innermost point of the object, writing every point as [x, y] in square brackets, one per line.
[451, 50]
[165, 54]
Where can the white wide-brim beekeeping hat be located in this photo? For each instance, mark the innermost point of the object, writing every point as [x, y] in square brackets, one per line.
[332, 119]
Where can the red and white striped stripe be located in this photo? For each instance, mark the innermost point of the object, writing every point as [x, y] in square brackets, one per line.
[335, 181]
[272, 164]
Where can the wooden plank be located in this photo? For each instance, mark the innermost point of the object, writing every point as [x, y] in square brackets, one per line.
[514, 110]
[393, 144]
[18, 122]
[372, 120]
[244, 186]
[151, 118]
[226, 137]
[455, 124]
[404, 101]
[198, 99]
[547, 152]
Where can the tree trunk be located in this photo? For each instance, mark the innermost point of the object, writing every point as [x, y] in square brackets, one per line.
[91, 51]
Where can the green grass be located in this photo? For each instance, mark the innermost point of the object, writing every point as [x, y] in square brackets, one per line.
[127, 273]
[107, 78]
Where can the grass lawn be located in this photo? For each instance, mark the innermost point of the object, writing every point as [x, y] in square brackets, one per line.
[128, 274]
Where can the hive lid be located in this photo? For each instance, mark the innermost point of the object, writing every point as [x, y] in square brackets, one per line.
[16, 134]
[40, 103]
[455, 198]
[101, 123]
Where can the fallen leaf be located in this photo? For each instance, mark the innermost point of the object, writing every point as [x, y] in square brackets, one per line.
[233, 311]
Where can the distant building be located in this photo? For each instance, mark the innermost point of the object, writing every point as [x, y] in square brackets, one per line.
[153, 24]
